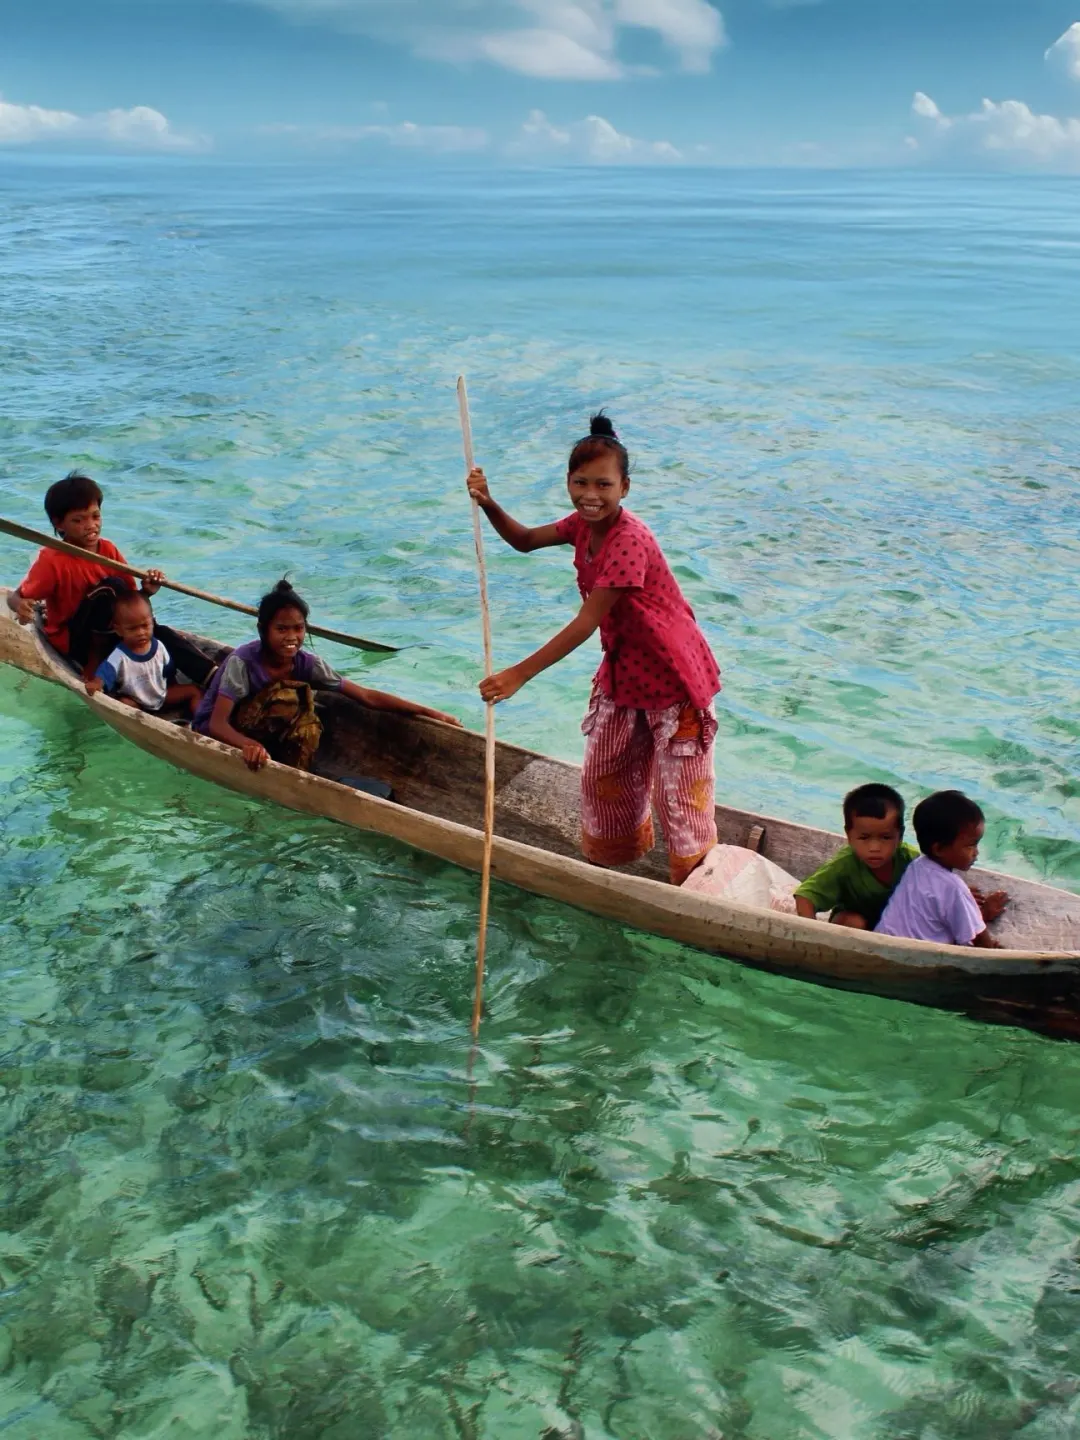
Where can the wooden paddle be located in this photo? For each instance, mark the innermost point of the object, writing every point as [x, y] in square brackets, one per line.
[489, 721]
[36, 537]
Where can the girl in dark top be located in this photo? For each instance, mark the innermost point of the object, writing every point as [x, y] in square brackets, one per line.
[261, 699]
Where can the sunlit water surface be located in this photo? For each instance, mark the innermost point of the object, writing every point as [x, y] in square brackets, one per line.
[248, 1188]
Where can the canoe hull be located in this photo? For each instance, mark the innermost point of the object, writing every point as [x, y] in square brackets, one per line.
[1039, 990]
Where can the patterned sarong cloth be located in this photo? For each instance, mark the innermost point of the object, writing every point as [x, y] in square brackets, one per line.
[635, 759]
[282, 718]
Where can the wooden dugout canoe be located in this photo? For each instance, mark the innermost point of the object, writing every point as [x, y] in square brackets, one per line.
[437, 773]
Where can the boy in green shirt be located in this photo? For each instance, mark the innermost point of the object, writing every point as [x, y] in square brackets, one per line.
[857, 882]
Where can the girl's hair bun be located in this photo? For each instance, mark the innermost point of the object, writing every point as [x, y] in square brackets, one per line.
[281, 597]
[601, 440]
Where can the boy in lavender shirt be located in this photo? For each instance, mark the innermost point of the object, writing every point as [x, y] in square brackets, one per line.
[933, 901]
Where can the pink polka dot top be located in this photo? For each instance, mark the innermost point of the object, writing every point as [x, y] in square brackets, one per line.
[654, 653]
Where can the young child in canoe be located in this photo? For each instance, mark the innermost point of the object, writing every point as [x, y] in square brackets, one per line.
[650, 724]
[933, 901]
[857, 882]
[78, 594]
[140, 672]
[261, 698]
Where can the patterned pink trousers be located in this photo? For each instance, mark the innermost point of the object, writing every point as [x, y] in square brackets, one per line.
[635, 759]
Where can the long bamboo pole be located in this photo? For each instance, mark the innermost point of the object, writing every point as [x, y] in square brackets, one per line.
[489, 721]
[51, 542]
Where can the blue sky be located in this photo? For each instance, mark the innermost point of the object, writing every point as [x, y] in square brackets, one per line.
[938, 82]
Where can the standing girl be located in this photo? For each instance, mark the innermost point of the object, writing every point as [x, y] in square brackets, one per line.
[262, 700]
[650, 725]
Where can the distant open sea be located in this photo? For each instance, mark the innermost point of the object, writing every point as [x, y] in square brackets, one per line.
[243, 1193]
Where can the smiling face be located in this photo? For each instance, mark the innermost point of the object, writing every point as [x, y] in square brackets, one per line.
[82, 527]
[597, 490]
[133, 621]
[961, 853]
[284, 635]
[875, 841]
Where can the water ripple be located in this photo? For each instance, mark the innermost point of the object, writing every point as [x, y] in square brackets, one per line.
[250, 1186]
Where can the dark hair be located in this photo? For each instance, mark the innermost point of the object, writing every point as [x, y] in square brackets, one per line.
[872, 802]
[281, 597]
[74, 492]
[601, 440]
[127, 597]
[939, 818]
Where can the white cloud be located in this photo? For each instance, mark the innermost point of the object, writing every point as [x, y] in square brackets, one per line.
[690, 27]
[592, 141]
[547, 39]
[23, 124]
[925, 108]
[140, 128]
[547, 55]
[1065, 52]
[1004, 132]
[438, 139]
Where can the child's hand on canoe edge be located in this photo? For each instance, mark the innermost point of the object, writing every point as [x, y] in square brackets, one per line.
[255, 755]
[991, 905]
[503, 685]
[429, 714]
[95, 685]
[477, 484]
[24, 610]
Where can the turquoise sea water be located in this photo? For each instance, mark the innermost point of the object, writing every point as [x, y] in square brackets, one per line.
[248, 1190]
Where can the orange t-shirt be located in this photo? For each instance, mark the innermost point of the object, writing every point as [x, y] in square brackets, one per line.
[63, 582]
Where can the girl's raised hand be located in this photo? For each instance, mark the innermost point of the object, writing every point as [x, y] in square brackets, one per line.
[477, 484]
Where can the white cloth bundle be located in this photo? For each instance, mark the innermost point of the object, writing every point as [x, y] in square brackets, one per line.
[731, 872]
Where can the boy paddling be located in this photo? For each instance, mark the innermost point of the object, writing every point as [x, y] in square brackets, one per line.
[79, 595]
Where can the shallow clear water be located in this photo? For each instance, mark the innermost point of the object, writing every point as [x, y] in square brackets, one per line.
[248, 1188]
